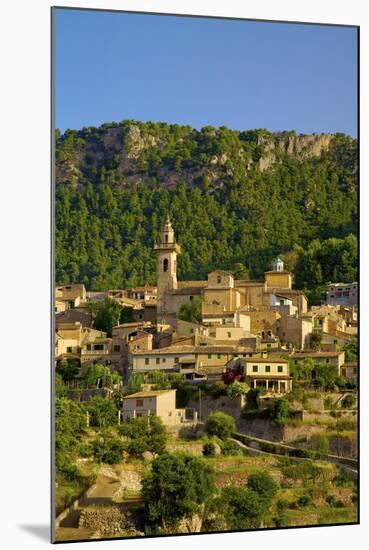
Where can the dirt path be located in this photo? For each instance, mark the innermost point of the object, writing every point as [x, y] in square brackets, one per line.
[105, 491]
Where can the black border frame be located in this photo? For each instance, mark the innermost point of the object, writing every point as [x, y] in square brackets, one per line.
[52, 267]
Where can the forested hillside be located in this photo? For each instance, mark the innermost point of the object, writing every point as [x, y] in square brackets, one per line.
[236, 199]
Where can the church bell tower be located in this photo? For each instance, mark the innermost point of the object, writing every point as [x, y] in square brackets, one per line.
[166, 250]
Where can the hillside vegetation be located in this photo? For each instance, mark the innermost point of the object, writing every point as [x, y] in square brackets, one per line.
[236, 199]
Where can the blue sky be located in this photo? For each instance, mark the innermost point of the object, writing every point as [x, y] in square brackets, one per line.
[241, 74]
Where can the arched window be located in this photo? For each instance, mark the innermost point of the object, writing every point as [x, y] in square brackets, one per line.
[165, 264]
[166, 238]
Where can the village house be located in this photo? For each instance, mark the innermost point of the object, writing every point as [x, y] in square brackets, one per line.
[121, 296]
[69, 296]
[97, 296]
[71, 337]
[342, 294]
[207, 360]
[146, 314]
[147, 293]
[107, 351]
[295, 330]
[270, 374]
[349, 371]
[185, 328]
[71, 316]
[161, 403]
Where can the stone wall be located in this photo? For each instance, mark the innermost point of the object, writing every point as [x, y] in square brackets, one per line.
[110, 520]
[228, 405]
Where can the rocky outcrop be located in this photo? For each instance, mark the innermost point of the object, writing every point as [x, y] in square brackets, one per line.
[299, 146]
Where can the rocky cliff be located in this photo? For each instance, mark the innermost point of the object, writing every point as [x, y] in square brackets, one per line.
[131, 152]
[299, 146]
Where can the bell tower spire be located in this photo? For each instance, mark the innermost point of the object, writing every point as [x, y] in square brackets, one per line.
[166, 250]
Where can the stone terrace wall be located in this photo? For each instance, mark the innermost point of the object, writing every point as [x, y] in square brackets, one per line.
[110, 520]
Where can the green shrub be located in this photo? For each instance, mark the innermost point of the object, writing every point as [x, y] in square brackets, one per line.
[322, 448]
[218, 389]
[282, 505]
[331, 500]
[281, 520]
[348, 402]
[220, 424]
[343, 479]
[263, 484]
[280, 411]
[228, 449]
[144, 434]
[237, 388]
[304, 500]
[103, 412]
[328, 403]
[108, 450]
[208, 449]
[242, 508]
[85, 450]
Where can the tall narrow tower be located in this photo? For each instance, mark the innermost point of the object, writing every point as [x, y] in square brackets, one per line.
[167, 250]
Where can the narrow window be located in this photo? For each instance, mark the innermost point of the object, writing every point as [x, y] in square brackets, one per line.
[280, 368]
[165, 264]
[267, 368]
[254, 368]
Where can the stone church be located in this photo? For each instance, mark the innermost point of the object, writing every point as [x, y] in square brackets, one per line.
[221, 293]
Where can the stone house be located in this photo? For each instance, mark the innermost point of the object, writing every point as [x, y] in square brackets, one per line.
[342, 294]
[69, 296]
[349, 371]
[271, 374]
[73, 316]
[161, 403]
[70, 339]
[294, 330]
[107, 351]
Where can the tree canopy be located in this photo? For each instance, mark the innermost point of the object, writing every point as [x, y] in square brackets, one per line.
[178, 485]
